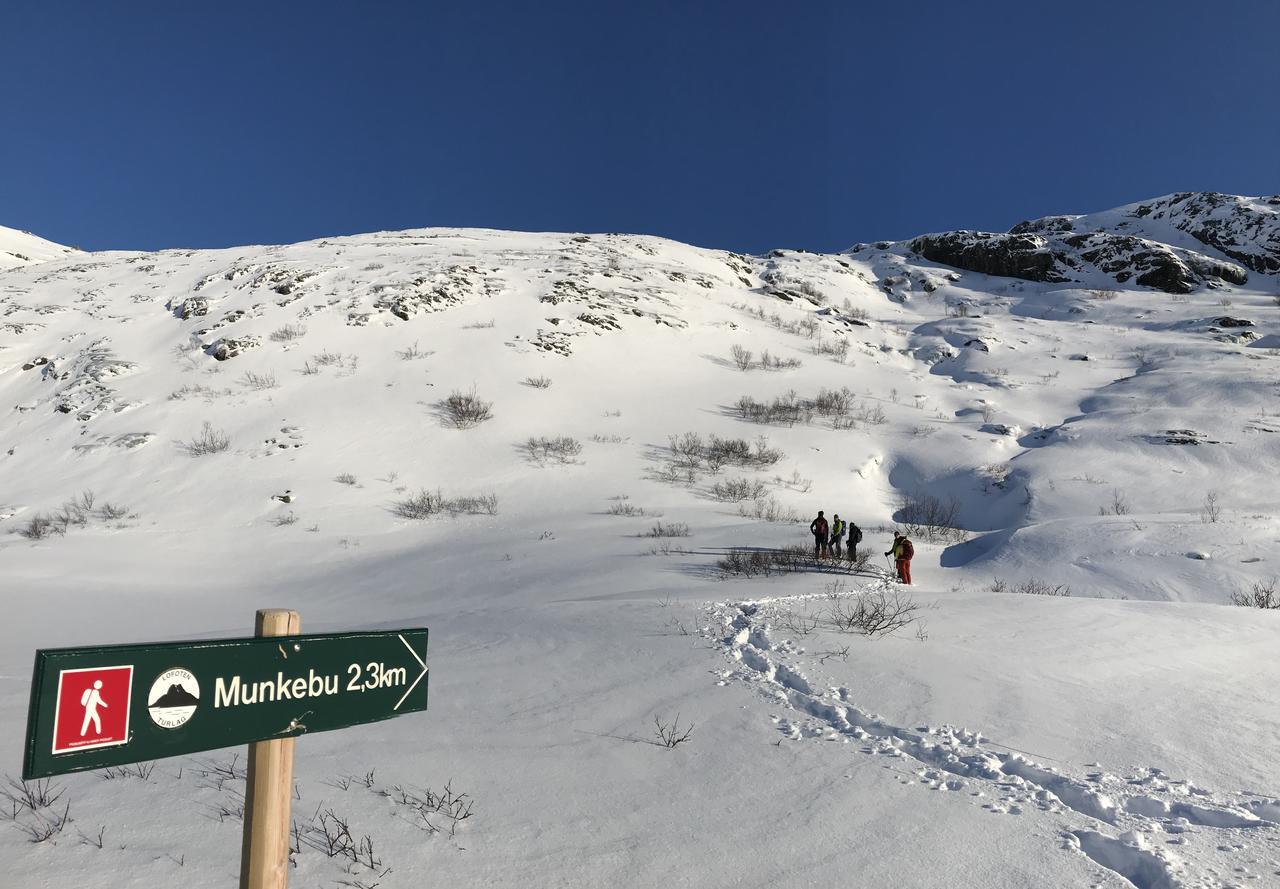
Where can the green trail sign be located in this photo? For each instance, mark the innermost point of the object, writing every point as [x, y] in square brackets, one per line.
[106, 706]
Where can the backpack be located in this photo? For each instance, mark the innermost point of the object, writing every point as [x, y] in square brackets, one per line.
[837, 529]
[908, 551]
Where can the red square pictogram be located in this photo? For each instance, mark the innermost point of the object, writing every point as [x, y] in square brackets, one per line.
[92, 709]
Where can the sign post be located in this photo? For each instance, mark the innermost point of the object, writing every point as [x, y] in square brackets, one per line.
[264, 856]
[103, 706]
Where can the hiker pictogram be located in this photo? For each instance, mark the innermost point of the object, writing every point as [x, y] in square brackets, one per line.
[93, 708]
[91, 700]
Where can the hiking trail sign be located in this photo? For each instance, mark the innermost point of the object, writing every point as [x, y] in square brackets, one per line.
[111, 705]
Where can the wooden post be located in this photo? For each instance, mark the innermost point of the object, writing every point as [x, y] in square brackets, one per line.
[264, 857]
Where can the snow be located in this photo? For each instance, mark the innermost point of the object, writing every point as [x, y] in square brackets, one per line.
[1123, 735]
[19, 248]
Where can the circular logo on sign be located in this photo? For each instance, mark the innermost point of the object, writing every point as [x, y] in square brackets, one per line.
[174, 697]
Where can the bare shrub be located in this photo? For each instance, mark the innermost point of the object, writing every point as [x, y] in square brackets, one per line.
[837, 347]
[260, 382]
[1034, 586]
[345, 478]
[425, 504]
[413, 353]
[873, 613]
[625, 509]
[741, 356]
[670, 734]
[209, 441]
[465, 409]
[1102, 295]
[39, 526]
[288, 333]
[930, 517]
[735, 489]
[1118, 506]
[872, 415]
[538, 382]
[562, 449]
[288, 518]
[329, 359]
[671, 529]
[479, 325]
[787, 410]
[808, 289]
[1210, 510]
[110, 512]
[832, 402]
[769, 361]
[686, 450]
[1260, 595]
[768, 509]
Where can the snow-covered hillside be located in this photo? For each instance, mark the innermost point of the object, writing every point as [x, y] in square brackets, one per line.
[19, 248]
[254, 424]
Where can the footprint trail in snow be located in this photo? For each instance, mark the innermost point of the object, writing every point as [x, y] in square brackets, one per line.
[1154, 832]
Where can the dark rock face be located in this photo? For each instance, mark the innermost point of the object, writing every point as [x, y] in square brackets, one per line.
[1152, 264]
[1246, 231]
[1025, 256]
[1048, 250]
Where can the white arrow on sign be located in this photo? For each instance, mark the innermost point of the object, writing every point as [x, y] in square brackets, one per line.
[422, 663]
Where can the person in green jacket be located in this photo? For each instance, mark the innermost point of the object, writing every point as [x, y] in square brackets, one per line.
[837, 535]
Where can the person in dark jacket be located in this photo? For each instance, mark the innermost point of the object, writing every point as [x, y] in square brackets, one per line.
[819, 528]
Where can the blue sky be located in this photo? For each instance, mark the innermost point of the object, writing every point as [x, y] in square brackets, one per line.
[738, 125]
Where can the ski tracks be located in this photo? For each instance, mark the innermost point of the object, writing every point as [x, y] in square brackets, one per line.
[1155, 832]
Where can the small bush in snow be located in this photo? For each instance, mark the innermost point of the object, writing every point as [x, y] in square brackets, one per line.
[412, 353]
[672, 529]
[538, 382]
[426, 504]
[39, 527]
[773, 362]
[837, 348]
[1211, 509]
[209, 441]
[288, 333]
[768, 509]
[670, 734]
[735, 489]
[1032, 586]
[562, 449]
[1261, 595]
[345, 478]
[741, 356]
[873, 613]
[465, 409]
[1118, 506]
[625, 509]
[259, 381]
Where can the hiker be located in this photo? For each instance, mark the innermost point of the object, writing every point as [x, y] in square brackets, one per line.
[902, 552]
[837, 535]
[855, 537]
[819, 528]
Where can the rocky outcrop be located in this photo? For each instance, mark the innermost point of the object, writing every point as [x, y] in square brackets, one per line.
[1048, 250]
[1152, 264]
[229, 347]
[1025, 256]
[1245, 229]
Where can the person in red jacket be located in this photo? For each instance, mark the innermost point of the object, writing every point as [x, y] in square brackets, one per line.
[903, 552]
[819, 528]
